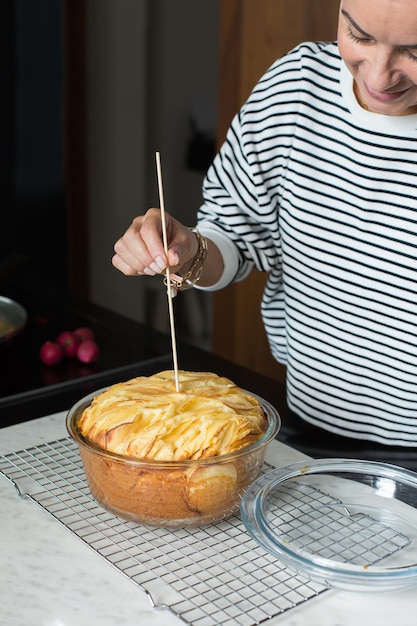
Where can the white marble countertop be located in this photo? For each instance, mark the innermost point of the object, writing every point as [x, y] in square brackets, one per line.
[48, 577]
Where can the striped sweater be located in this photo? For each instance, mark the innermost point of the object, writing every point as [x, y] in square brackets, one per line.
[322, 195]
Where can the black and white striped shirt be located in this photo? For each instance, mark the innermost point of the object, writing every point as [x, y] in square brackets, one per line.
[322, 195]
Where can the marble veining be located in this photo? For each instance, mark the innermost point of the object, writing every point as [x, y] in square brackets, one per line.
[48, 577]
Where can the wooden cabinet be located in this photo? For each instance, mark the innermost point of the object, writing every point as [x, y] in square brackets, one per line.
[253, 33]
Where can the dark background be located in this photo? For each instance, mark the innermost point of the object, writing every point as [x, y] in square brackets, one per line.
[32, 183]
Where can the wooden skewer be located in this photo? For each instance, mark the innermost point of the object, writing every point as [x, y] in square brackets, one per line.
[167, 272]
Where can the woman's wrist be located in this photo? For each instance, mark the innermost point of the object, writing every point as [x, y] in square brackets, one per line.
[190, 273]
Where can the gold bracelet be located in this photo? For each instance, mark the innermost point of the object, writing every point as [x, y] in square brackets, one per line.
[181, 283]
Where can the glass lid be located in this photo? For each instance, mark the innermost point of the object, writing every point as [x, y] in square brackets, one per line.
[344, 522]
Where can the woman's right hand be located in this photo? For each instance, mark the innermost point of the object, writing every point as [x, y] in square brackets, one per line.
[140, 251]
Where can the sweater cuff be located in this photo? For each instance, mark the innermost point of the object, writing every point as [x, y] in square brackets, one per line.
[229, 254]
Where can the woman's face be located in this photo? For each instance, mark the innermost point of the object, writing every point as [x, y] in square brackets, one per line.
[378, 42]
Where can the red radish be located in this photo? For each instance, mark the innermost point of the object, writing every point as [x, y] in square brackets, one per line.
[51, 353]
[83, 334]
[69, 343]
[88, 351]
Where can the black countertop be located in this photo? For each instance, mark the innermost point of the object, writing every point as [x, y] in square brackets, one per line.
[29, 389]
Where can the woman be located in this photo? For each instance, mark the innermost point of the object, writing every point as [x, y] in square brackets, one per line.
[316, 185]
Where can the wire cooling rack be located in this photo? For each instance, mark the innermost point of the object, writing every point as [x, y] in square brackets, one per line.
[215, 575]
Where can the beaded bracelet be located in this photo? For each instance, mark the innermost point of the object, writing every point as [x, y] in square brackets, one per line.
[181, 283]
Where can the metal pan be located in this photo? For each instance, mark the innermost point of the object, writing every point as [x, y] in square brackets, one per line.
[13, 318]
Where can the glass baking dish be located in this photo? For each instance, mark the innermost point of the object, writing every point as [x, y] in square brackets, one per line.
[191, 492]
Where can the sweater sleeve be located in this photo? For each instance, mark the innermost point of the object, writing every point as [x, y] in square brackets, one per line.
[229, 253]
